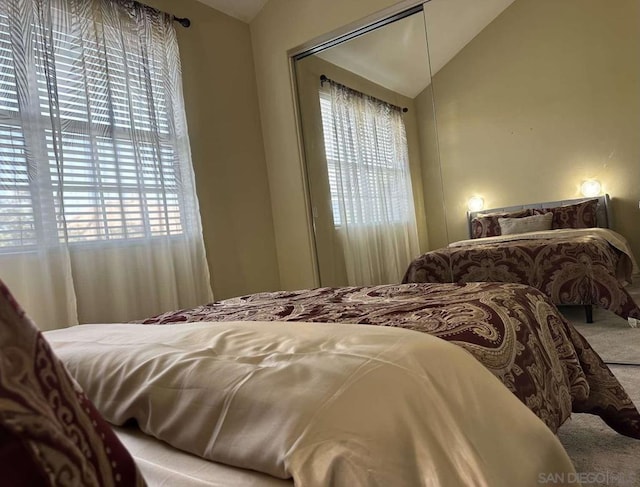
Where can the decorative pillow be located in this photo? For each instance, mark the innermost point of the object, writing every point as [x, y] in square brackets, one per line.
[487, 225]
[579, 215]
[535, 223]
[50, 433]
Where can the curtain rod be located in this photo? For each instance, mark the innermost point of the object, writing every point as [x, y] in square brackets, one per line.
[323, 78]
[183, 21]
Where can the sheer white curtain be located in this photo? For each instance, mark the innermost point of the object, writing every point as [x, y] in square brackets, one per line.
[99, 219]
[372, 198]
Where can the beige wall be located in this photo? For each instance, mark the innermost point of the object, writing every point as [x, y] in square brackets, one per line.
[280, 26]
[227, 148]
[328, 244]
[544, 97]
[431, 174]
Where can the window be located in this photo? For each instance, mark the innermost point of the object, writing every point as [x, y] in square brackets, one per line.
[366, 165]
[87, 144]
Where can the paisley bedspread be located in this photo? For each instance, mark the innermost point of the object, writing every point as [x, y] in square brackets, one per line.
[514, 330]
[585, 270]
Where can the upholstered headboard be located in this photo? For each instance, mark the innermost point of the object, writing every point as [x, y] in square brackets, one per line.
[603, 211]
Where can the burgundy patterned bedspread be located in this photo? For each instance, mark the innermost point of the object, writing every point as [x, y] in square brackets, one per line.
[571, 271]
[512, 329]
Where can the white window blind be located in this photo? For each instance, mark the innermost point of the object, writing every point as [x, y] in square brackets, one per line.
[113, 173]
[363, 165]
[16, 209]
[331, 153]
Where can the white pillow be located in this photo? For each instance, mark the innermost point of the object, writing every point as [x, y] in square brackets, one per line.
[535, 223]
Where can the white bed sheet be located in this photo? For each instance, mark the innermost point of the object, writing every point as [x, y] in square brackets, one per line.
[163, 465]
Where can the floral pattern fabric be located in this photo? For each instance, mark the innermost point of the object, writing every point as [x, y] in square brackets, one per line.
[51, 434]
[583, 270]
[579, 215]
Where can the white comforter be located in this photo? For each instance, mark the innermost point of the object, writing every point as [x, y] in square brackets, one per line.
[325, 404]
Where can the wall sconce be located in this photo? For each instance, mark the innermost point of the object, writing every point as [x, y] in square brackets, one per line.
[590, 187]
[475, 203]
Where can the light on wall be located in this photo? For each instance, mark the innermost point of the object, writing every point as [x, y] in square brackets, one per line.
[475, 203]
[590, 187]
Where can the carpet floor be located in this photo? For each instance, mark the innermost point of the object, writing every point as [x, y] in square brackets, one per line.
[601, 456]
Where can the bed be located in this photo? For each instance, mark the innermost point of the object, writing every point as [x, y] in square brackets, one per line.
[423, 394]
[575, 259]
[249, 403]
[512, 329]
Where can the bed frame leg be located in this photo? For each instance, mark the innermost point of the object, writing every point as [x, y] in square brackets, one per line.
[588, 311]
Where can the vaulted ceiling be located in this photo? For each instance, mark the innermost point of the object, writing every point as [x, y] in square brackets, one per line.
[244, 10]
[395, 56]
